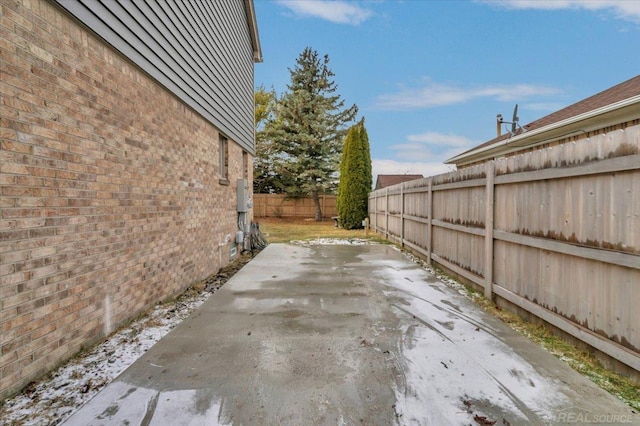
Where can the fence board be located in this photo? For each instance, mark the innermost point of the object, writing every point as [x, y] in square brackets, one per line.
[280, 205]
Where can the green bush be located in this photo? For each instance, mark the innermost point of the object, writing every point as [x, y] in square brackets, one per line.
[355, 178]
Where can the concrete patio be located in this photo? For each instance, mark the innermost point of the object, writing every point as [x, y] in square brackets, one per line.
[344, 335]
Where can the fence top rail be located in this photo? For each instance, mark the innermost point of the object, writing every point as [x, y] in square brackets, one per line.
[610, 165]
[472, 183]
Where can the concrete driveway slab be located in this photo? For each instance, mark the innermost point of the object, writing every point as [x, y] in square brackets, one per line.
[345, 335]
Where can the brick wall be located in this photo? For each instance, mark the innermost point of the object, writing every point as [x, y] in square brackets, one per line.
[111, 199]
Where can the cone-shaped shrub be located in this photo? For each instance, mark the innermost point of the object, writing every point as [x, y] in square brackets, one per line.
[355, 178]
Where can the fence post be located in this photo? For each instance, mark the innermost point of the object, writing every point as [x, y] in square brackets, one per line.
[375, 209]
[429, 218]
[386, 213]
[402, 214]
[377, 225]
[488, 231]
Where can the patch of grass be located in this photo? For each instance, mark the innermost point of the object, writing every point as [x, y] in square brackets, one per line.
[283, 230]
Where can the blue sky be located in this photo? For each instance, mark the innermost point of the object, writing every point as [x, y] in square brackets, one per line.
[430, 76]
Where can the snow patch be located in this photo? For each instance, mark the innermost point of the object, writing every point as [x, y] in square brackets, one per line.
[53, 400]
[454, 358]
[334, 242]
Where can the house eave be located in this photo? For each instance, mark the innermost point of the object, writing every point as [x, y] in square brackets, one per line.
[253, 30]
[618, 112]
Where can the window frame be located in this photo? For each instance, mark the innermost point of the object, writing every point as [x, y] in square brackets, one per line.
[223, 161]
[245, 164]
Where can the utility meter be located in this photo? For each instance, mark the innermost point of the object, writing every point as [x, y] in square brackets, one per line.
[244, 196]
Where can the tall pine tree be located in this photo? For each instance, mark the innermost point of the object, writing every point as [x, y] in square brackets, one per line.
[308, 129]
[355, 178]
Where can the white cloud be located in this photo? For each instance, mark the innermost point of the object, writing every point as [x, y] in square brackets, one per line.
[339, 12]
[393, 167]
[434, 94]
[431, 146]
[413, 152]
[623, 9]
[435, 138]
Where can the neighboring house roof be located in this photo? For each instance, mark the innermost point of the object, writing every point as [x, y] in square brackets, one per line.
[387, 180]
[618, 104]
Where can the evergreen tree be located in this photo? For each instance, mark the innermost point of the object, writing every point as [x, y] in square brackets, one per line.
[355, 178]
[270, 174]
[308, 128]
[265, 177]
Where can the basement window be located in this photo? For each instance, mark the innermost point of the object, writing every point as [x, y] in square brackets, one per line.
[224, 160]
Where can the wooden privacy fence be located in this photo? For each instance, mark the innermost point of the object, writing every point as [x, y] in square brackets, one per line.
[280, 205]
[555, 232]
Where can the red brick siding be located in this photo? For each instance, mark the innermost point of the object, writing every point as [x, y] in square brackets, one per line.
[110, 191]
